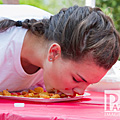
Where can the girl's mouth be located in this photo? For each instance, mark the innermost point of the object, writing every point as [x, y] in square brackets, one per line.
[64, 94]
[74, 94]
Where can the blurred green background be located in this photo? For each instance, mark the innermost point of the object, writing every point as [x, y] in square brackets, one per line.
[110, 7]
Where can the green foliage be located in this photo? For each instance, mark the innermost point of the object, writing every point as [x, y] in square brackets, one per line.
[52, 6]
[111, 8]
[1, 2]
[36, 3]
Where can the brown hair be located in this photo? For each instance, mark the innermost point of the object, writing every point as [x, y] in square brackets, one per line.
[79, 31]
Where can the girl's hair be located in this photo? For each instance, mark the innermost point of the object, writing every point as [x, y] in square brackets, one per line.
[79, 31]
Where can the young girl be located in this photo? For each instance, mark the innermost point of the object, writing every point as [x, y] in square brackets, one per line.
[75, 48]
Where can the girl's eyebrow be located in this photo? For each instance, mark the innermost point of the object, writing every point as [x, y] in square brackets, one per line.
[82, 78]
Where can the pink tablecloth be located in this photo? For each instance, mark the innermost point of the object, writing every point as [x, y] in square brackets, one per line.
[88, 108]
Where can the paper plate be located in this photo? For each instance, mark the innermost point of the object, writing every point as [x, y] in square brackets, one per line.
[45, 99]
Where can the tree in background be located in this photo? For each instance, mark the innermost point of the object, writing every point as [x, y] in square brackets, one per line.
[53, 6]
[111, 8]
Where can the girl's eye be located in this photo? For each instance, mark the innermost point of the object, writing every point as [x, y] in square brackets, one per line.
[75, 80]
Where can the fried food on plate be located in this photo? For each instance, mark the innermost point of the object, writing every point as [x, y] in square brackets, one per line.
[36, 93]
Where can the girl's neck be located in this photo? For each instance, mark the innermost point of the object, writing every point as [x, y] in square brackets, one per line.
[29, 68]
[32, 53]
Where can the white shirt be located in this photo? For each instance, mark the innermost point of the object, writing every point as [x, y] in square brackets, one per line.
[12, 75]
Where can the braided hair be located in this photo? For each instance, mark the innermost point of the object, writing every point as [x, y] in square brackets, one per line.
[79, 31]
[37, 27]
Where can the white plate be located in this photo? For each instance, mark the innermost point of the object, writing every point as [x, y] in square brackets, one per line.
[43, 99]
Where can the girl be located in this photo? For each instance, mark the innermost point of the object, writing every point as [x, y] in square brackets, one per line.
[75, 48]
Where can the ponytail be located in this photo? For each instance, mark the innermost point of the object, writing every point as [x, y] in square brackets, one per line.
[5, 24]
[36, 27]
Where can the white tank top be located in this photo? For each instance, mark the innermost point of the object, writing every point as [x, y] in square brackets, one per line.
[12, 75]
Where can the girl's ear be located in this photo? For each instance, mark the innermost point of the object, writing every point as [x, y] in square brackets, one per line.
[54, 52]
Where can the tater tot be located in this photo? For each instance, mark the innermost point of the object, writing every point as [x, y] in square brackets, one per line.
[42, 95]
[1, 93]
[55, 96]
[31, 91]
[20, 96]
[63, 95]
[36, 93]
[24, 92]
[6, 93]
[14, 94]
[39, 90]
[46, 93]
[31, 94]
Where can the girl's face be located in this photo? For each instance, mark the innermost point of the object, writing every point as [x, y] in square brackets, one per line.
[71, 77]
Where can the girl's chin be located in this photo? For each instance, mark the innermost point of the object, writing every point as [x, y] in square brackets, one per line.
[71, 95]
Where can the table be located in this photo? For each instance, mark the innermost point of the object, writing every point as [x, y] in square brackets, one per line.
[88, 108]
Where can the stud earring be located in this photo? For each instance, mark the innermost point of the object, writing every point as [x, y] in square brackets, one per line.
[50, 59]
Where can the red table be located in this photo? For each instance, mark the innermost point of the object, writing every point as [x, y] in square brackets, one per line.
[88, 108]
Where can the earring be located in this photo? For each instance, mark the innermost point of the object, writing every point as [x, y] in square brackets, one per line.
[50, 59]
